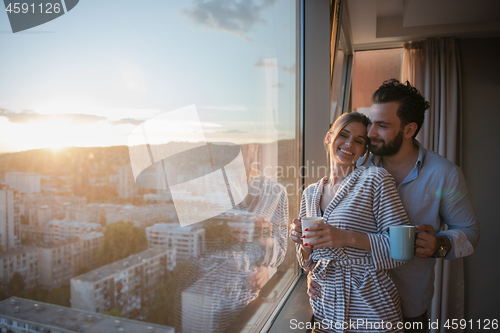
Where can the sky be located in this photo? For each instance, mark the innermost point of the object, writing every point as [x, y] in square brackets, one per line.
[93, 75]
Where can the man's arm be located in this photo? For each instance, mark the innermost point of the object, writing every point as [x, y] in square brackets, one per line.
[458, 214]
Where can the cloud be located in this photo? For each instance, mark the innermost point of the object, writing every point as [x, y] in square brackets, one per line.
[261, 63]
[233, 16]
[231, 132]
[290, 69]
[127, 121]
[28, 116]
[224, 108]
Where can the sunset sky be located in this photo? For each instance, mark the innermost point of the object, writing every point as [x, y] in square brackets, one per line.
[91, 76]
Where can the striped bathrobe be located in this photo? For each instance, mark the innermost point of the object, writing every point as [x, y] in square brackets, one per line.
[355, 284]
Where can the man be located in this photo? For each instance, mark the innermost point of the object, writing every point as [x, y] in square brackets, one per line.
[433, 191]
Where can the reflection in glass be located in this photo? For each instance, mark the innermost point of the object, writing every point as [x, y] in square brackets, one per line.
[115, 139]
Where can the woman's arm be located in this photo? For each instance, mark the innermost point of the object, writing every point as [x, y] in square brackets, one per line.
[303, 253]
[388, 210]
[335, 237]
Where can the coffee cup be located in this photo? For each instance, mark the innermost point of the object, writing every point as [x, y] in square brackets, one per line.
[308, 222]
[402, 240]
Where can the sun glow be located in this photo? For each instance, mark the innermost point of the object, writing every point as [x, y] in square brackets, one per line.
[59, 134]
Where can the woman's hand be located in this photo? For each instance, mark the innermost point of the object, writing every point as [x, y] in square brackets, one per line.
[330, 236]
[296, 231]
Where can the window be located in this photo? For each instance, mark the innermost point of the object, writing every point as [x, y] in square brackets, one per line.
[224, 88]
[340, 73]
[370, 68]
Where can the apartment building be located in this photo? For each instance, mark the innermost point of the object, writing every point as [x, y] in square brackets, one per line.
[141, 216]
[187, 241]
[40, 208]
[9, 219]
[212, 302]
[23, 260]
[126, 183]
[60, 262]
[60, 230]
[126, 285]
[23, 315]
[24, 182]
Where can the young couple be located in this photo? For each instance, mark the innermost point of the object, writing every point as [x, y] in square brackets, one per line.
[400, 183]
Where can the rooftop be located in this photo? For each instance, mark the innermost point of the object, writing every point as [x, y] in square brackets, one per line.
[120, 265]
[21, 250]
[173, 227]
[54, 316]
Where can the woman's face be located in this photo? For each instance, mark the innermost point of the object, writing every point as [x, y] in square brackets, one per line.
[350, 144]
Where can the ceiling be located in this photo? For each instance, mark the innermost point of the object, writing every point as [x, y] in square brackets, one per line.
[387, 23]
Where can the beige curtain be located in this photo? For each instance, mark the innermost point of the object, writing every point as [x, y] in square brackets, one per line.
[433, 67]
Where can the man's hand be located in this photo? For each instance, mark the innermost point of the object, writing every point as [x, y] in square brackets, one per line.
[427, 241]
[313, 289]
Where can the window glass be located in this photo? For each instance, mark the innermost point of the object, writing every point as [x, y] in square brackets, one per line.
[338, 82]
[370, 70]
[149, 160]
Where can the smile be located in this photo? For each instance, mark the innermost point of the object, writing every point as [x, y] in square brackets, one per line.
[346, 152]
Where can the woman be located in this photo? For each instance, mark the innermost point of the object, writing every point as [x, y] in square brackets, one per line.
[351, 259]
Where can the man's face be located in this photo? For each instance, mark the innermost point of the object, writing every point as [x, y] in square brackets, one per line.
[385, 129]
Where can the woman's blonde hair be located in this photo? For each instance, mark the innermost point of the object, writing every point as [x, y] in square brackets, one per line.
[342, 122]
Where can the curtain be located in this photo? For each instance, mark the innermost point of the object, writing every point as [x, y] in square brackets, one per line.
[433, 67]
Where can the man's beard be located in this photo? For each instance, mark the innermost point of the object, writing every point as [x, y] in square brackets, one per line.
[390, 148]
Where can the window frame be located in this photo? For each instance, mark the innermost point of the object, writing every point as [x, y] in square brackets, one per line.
[297, 294]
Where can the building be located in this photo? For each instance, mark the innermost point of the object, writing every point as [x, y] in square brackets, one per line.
[40, 208]
[24, 182]
[91, 212]
[60, 262]
[44, 214]
[23, 260]
[160, 196]
[126, 285]
[60, 230]
[9, 219]
[142, 216]
[212, 302]
[187, 241]
[23, 315]
[126, 183]
[76, 209]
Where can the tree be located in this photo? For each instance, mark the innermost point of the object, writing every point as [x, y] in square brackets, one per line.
[16, 285]
[59, 296]
[24, 220]
[218, 236]
[3, 291]
[113, 312]
[121, 239]
[83, 270]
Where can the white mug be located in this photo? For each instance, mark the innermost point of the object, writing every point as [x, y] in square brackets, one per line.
[308, 222]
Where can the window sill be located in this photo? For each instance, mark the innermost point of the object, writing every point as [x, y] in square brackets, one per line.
[295, 310]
